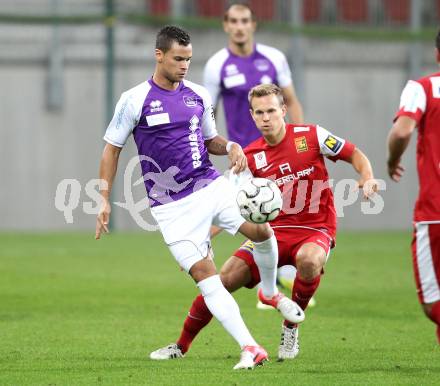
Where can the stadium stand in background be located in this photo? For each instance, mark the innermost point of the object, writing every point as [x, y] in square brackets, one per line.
[374, 13]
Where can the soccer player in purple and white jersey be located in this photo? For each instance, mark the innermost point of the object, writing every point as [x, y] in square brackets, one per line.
[233, 71]
[171, 120]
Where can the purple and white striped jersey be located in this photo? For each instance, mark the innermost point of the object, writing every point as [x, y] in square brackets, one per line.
[169, 129]
[231, 77]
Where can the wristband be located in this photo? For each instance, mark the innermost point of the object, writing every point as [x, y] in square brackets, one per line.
[229, 145]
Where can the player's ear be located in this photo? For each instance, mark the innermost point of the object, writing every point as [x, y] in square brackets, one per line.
[284, 109]
[437, 55]
[159, 55]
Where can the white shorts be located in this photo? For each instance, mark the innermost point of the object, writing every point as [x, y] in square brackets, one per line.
[185, 223]
[426, 260]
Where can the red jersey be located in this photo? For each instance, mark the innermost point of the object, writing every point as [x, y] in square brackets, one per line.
[297, 166]
[420, 101]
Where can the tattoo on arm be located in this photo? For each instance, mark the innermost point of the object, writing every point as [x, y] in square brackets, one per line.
[217, 146]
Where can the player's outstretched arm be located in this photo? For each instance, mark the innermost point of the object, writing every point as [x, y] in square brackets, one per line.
[107, 172]
[220, 146]
[398, 140]
[362, 165]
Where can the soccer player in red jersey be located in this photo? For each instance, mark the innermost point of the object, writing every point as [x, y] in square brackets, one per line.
[420, 107]
[293, 157]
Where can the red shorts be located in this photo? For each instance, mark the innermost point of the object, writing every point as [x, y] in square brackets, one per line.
[426, 261]
[289, 242]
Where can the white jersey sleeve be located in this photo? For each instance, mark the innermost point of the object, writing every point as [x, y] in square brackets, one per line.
[127, 113]
[330, 144]
[212, 74]
[413, 98]
[209, 130]
[284, 76]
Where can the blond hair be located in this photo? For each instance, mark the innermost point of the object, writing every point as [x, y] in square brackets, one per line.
[263, 90]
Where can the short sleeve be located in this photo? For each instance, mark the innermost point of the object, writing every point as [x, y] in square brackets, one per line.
[122, 123]
[212, 74]
[279, 61]
[209, 130]
[333, 147]
[283, 72]
[412, 101]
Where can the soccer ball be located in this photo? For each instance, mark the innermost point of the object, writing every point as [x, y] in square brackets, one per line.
[259, 200]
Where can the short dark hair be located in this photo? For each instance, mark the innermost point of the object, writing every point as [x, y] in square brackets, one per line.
[169, 34]
[262, 90]
[242, 6]
[437, 40]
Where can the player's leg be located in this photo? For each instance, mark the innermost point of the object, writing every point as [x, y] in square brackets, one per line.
[285, 280]
[265, 250]
[310, 258]
[234, 274]
[426, 261]
[185, 227]
[265, 254]
[432, 311]
[220, 302]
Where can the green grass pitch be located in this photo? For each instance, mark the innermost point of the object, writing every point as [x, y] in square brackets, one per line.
[75, 311]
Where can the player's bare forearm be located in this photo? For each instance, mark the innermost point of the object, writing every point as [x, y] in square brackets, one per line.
[399, 137]
[396, 147]
[107, 172]
[361, 164]
[217, 145]
[398, 141]
[108, 168]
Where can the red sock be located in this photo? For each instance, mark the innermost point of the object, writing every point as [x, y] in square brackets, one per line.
[303, 291]
[198, 317]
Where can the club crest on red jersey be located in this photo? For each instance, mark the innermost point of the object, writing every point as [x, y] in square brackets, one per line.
[301, 144]
[260, 160]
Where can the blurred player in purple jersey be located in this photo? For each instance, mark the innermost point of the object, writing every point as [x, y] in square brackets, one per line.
[172, 123]
[233, 71]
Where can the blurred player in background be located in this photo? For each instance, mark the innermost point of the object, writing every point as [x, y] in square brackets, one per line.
[173, 126]
[233, 71]
[292, 156]
[230, 74]
[420, 108]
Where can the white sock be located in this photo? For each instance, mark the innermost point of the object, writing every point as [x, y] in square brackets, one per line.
[266, 258]
[225, 309]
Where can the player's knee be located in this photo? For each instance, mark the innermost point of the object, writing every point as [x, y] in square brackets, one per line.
[202, 270]
[263, 233]
[227, 280]
[308, 266]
